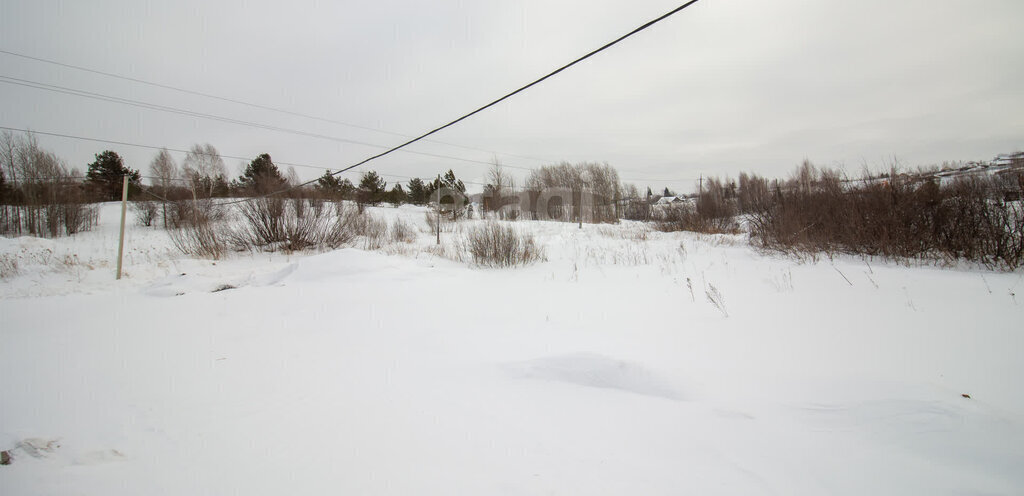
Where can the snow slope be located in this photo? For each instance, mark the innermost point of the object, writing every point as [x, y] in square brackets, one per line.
[598, 371]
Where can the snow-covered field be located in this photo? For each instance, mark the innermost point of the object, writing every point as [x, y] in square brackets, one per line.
[603, 370]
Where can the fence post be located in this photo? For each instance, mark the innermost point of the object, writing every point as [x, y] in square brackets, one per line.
[124, 210]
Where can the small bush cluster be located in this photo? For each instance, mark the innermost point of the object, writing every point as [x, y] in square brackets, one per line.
[181, 213]
[693, 218]
[495, 245]
[200, 234]
[276, 224]
[146, 212]
[401, 232]
[372, 230]
[634, 232]
[900, 217]
[8, 266]
[433, 219]
[292, 224]
[714, 211]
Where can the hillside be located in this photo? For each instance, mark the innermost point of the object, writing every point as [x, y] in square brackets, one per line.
[628, 361]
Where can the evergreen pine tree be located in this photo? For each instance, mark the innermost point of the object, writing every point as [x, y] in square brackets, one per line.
[261, 176]
[329, 185]
[106, 176]
[372, 188]
[221, 188]
[347, 189]
[449, 181]
[418, 191]
[397, 195]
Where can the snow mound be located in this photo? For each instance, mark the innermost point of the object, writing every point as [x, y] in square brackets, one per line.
[276, 277]
[186, 283]
[598, 371]
[180, 284]
[37, 447]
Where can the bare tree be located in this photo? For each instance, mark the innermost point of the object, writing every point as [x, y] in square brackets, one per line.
[202, 166]
[602, 182]
[590, 190]
[8, 155]
[35, 165]
[630, 192]
[49, 200]
[165, 170]
[292, 177]
[561, 187]
[499, 184]
[532, 192]
[634, 207]
[754, 193]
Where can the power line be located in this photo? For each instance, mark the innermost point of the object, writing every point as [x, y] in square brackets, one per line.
[292, 164]
[499, 100]
[255, 105]
[151, 147]
[449, 124]
[178, 150]
[379, 155]
[191, 113]
[175, 110]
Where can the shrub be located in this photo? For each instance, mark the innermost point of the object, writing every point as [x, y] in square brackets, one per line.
[145, 212]
[900, 217]
[714, 211]
[374, 231]
[263, 222]
[495, 245]
[286, 224]
[201, 237]
[181, 213]
[78, 216]
[401, 232]
[432, 218]
[8, 266]
[290, 225]
[343, 227]
[715, 220]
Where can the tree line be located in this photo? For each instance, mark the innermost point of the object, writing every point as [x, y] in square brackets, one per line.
[925, 215]
[942, 214]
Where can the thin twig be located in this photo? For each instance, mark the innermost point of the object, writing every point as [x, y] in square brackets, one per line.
[844, 275]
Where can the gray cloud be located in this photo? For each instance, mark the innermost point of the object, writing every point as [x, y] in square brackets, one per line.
[727, 85]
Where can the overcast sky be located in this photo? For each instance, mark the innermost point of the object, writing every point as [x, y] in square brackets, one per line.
[722, 87]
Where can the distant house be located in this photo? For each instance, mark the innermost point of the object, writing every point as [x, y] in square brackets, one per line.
[670, 200]
[1009, 160]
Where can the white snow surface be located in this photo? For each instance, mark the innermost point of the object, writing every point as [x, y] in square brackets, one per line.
[597, 371]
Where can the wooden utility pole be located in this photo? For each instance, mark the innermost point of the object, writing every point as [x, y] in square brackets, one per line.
[580, 212]
[647, 206]
[124, 211]
[700, 190]
[439, 209]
